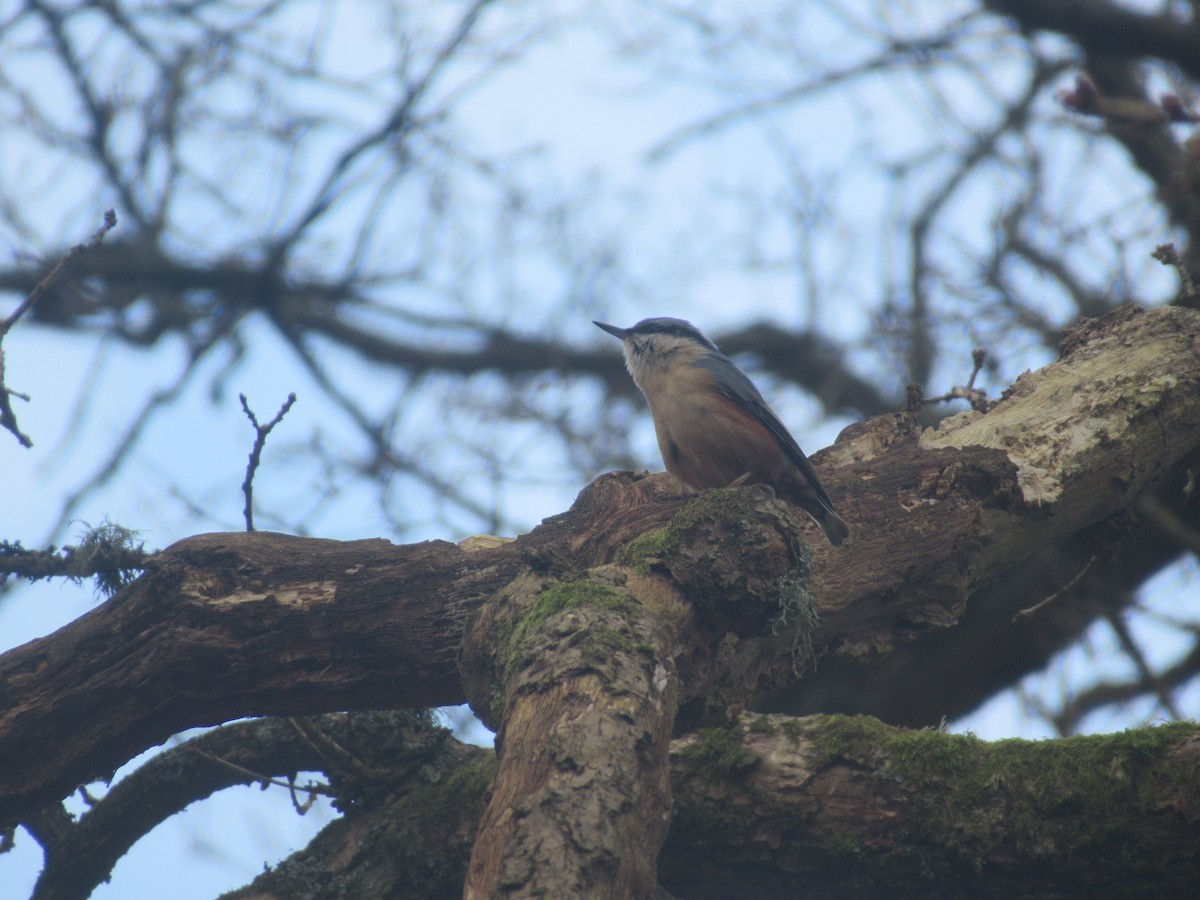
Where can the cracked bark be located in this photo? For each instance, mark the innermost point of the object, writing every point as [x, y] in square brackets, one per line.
[778, 807]
[637, 612]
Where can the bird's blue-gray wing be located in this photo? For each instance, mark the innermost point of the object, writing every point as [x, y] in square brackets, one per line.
[737, 386]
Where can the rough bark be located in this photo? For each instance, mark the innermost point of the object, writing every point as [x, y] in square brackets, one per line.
[582, 673]
[943, 674]
[229, 625]
[582, 786]
[602, 621]
[849, 807]
[772, 806]
[366, 757]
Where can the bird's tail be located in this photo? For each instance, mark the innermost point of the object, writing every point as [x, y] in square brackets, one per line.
[831, 523]
[817, 505]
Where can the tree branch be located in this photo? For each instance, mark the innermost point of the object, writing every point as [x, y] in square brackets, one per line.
[8, 418]
[848, 807]
[83, 856]
[229, 625]
[774, 807]
[1111, 29]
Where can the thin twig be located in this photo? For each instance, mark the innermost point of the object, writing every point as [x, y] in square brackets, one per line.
[8, 418]
[328, 749]
[110, 221]
[1149, 679]
[978, 357]
[914, 396]
[260, 438]
[975, 396]
[259, 777]
[1061, 592]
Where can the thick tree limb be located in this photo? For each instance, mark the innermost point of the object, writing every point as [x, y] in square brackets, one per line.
[221, 627]
[945, 673]
[1109, 28]
[848, 807]
[774, 807]
[393, 744]
[231, 625]
[581, 798]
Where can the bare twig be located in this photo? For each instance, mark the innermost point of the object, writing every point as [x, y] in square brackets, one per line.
[260, 438]
[86, 797]
[1087, 99]
[110, 221]
[329, 749]
[1148, 678]
[312, 789]
[1087, 570]
[8, 419]
[977, 397]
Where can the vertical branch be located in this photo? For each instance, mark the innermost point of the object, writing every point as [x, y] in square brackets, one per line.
[8, 418]
[581, 798]
[260, 438]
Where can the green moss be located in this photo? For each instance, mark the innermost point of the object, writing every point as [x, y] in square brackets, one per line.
[719, 504]
[700, 510]
[718, 753]
[835, 738]
[931, 754]
[467, 785]
[1124, 773]
[565, 595]
[797, 615]
[559, 598]
[639, 553]
[1044, 799]
[765, 725]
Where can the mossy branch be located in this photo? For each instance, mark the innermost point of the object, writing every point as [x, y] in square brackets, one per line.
[110, 553]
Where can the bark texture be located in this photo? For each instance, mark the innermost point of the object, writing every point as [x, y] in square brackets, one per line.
[639, 611]
[582, 786]
[826, 806]
[848, 807]
[229, 625]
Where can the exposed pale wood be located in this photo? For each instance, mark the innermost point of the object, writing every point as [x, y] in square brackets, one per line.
[223, 626]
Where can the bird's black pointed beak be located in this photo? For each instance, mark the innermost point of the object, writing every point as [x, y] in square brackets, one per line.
[620, 333]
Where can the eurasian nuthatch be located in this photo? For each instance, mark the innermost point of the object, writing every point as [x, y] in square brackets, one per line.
[714, 428]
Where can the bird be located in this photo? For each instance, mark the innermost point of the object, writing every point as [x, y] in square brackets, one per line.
[714, 428]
